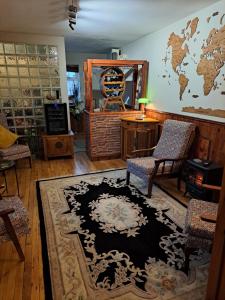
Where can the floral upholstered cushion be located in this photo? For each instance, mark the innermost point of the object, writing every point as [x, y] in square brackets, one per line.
[15, 152]
[175, 139]
[194, 224]
[19, 218]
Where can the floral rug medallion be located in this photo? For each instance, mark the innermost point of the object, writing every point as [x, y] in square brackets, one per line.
[113, 242]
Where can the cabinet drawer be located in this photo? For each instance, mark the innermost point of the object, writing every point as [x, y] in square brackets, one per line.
[57, 146]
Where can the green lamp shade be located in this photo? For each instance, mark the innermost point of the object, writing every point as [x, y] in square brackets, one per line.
[144, 100]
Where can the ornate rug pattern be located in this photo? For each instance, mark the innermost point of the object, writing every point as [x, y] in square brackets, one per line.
[106, 240]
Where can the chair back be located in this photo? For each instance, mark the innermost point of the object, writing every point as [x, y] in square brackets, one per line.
[3, 120]
[175, 140]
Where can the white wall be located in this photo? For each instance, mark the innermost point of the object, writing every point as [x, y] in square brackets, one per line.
[163, 84]
[48, 40]
[73, 58]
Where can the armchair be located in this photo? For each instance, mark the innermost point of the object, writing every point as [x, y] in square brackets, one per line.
[13, 221]
[16, 151]
[168, 155]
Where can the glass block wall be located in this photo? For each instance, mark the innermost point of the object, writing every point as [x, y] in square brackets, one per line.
[29, 77]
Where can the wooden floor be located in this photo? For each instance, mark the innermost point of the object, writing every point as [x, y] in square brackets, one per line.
[24, 280]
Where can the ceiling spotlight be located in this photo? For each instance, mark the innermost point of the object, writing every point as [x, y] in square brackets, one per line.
[72, 15]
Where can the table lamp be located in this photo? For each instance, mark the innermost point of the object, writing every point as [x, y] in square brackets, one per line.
[143, 102]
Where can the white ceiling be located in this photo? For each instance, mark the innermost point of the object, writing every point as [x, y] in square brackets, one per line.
[101, 24]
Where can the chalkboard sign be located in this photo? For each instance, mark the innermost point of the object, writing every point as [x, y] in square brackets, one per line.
[56, 118]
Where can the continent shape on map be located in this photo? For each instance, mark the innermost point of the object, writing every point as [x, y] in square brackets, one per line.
[212, 58]
[180, 51]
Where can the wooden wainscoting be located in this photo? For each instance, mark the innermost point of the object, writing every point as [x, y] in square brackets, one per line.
[206, 129]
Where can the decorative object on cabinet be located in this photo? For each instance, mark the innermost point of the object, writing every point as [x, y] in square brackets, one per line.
[137, 135]
[113, 87]
[168, 155]
[58, 145]
[198, 172]
[143, 102]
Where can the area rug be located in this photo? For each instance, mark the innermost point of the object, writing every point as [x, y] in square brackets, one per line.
[104, 240]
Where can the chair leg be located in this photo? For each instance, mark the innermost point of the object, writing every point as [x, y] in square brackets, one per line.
[128, 178]
[30, 161]
[13, 236]
[150, 184]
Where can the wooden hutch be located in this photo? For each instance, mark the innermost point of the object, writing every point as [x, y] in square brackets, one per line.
[102, 126]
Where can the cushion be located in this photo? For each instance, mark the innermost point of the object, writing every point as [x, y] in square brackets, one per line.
[7, 138]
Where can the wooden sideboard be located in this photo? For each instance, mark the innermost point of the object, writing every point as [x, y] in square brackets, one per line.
[58, 145]
[137, 134]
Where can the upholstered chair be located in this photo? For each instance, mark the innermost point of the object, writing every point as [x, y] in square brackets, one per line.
[16, 151]
[168, 155]
[13, 221]
[200, 224]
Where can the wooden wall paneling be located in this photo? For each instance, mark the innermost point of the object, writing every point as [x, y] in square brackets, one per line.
[211, 130]
[216, 279]
[145, 72]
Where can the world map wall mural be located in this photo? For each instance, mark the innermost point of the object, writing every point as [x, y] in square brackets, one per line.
[195, 58]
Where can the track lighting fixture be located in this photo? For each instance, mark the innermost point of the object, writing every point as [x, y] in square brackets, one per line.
[72, 15]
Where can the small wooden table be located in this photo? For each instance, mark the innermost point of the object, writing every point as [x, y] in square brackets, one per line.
[137, 134]
[58, 145]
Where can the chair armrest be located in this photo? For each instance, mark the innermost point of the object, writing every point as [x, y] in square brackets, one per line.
[143, 150]
[6, 211]
[208, 217]
[212, 187]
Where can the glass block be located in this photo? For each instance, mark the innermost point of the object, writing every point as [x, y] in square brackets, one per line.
[9, 48]
[18, 103]
[39, 111]
[20, 131]
[52, 50]
[14, 82]
[54, 71]
[27, 102]
[40, 122]
[10, 60]
[29, 122]
[43, 71]
[4, 82]
[45, 82]
[11, 124]
[28, 112]
[55, 82]
[4, 92]
[38, 102]
[2, 60]
[25, 82]
[26, 92]
[1, 48]
[33, 60]
[46, 92]
[43, 60]
[53, 60]
[31, 49]
[22, 60]
[20, 122]
[42, 49]
[35, 82]
[3, 71]
[12, 71]
[23, 71]
[18, 112]
[15, 92]
[36, 92]
[6, 103]
[20, 49]
[34, 72]
[8, 112]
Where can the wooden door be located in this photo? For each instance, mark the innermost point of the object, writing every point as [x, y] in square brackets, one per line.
[216, 280]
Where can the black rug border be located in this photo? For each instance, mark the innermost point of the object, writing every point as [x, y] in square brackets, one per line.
[44, 248]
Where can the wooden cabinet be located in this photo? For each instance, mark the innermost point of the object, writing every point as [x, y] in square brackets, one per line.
[58, 145]
[137, 134]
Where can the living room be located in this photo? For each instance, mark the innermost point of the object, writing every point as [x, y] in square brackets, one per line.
[112, 149]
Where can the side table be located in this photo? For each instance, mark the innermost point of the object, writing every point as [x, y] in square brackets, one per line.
[6, 165]
[58, 145]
